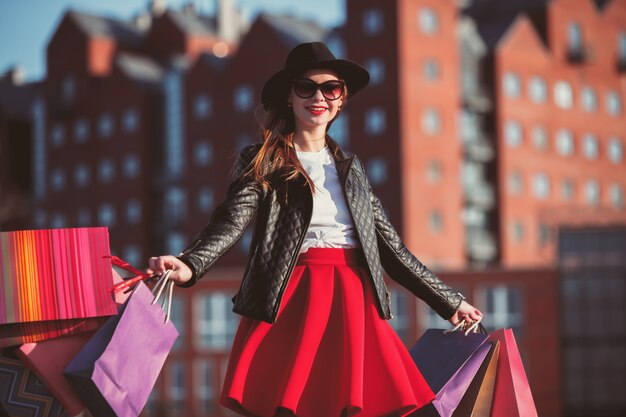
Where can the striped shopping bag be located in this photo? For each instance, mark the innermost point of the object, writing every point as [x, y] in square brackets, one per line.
[53, 282]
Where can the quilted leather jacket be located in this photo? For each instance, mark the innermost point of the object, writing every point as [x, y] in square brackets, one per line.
[280, 229]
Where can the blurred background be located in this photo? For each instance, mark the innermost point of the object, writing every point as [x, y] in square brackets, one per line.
[493, 131]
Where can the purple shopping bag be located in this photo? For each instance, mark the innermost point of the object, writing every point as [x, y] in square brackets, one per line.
[116, 370]
[449, 362]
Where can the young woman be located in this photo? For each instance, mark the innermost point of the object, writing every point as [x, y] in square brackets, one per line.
[314, 338]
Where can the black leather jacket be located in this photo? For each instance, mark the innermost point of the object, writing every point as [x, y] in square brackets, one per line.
[279, 231]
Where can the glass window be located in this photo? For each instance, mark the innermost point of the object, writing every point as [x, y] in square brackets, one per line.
[176, 390]
[58, 221]
[513, 134]
[339, 130]
[206, 200]
[336, 45]
[377, 171]
[517, 231]
[565, 142]
[106, 171]
[57, 135]
[130, 166]
[592, 192]
[563, 95]
[243, 98]
[511, 85]
[516, 183]
[431, 121]
[215, 323]
[537, 89]
[130, 120]
[105, 125]
[57, 179]
[204, 153]
[175, 242]
[589, 99]
[470, 125]
[106, 215]
[616, 195]
[431, 69]
[81, 175]
[372, 22]
[541, 186]
[502, 307]
[39, 137]
[615, 150]
[575, 37]
[202, 106]
[540, 137]
[435, 221]
[84, 217]
[206, 390]
[133, 211]
[621, 47]
[567, 189]
[179, 319]
[400, 306]
[243, 140]
[375, 121]
[174, 146]
[590, 146]
[39, 218]
[428, 21]
[81, 130]
[613, 103]
[175, 204]
[132, 255]
[376, 68]
[68, 89]
[433, 171]
[544, 234]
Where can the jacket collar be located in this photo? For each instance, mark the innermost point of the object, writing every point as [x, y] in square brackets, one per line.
[343, 158]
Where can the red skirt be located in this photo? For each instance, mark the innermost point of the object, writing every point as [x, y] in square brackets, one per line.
[328, 354]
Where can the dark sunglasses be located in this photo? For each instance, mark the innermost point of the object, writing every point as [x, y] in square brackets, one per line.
[306, 88]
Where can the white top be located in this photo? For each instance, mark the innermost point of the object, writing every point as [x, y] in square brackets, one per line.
[331, 224]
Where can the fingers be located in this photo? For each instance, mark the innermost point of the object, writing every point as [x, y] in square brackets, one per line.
[159, 264]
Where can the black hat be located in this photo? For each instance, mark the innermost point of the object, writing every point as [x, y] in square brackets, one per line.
[308, 56]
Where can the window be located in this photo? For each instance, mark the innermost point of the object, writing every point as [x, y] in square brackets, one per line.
[517, 231]
[513, 134]
[245, 241]
[431, 121]
[40, 169]
[400, 306]
[616, 195]
[68, 89]
[105, 126]
[206, 200]
[176, 392]
[433, 171]
[204, 153]
[175, 205]
[376, 68]
[540, 138]
[175, 242]
[106, 215]
[58, 221]
[565, 142]
[130, 120]
[339, 130]
[511, 85]
[541, 186]
[243, 140]
[563, 95]
[133, 212]
[206, 392]
[375, 122]
[81, 131]
[435, 221]
[589, 99]
[567, 189]
[431, 69]
[132, 255]
[215, 322]
[130, 166]
[544, 234]
[57, 135]
[575, 39]
[173, 92]
[178, 316]
[243, 98]
[39, 218]
[106, 171]
[615, 150]
[57, 179]
[428, 21]
[202, 106]
[515, 183]
[377, 171]
[621, 47]
[84, 217]
[590, 146]
[470, 125]
[372, 22]
[81, 175]
[613, 103]
[502, 307]
[336, 45]
[537, 89]
[592, 192]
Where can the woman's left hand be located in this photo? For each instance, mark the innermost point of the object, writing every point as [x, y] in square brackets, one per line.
[466, 312]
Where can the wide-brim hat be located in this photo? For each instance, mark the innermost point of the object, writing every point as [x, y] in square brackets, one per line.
[307, 56]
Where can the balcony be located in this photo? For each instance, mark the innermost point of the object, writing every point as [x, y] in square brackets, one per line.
[481, 245]
[480, 194]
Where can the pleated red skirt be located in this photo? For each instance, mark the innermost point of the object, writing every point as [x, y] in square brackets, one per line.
[328, 354]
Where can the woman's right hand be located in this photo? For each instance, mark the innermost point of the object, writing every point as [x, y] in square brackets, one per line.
[180, 272]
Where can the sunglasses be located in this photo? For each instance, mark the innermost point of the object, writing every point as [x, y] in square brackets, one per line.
[306, 88]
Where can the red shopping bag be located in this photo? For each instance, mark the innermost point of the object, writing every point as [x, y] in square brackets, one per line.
[53, 283]
[511, 395]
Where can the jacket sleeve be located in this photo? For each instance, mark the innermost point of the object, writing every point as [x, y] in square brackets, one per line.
[404, 268]
[227, 223]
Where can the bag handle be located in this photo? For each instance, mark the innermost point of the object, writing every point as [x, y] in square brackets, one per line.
[473, 327]
[161, 284]
[139, 275]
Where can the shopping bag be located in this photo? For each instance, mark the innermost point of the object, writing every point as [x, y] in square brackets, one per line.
[37, 357]
[116, 370]
[477, 399]
[21, 393]
[53, 283]
[511, 394]
[449, 361]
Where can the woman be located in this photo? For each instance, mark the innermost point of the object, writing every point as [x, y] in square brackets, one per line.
[313, 340]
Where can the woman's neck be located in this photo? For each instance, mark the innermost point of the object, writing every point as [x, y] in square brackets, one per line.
[309, 141]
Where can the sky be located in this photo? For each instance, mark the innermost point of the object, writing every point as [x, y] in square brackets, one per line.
[27, 25]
